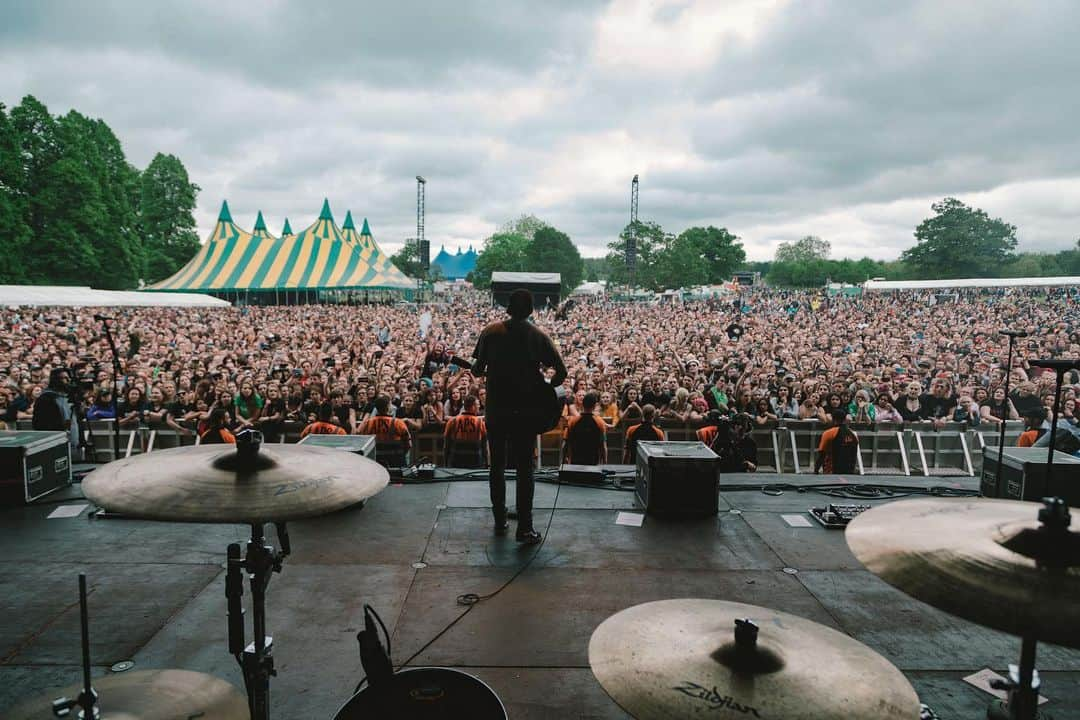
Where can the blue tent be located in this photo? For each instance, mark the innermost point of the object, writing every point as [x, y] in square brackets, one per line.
[457, 266]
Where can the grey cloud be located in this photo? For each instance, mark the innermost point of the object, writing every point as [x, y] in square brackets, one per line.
[841, 117]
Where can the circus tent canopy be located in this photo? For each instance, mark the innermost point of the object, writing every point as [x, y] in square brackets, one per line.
[320, 257]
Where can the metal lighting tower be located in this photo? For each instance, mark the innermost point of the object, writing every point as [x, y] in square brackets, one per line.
[631, 239]
[422, 248]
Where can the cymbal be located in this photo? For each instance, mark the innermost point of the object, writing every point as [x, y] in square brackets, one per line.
[679, 659]
[954, 554]
[209, 483]
[148, 695]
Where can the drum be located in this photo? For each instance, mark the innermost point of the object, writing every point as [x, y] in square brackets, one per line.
[425, 694]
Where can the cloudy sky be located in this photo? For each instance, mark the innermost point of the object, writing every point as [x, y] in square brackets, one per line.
[774, 119]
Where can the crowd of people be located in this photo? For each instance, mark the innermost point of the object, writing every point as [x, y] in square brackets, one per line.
[765, 354]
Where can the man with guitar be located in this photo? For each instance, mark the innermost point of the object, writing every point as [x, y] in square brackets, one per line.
[521, 404]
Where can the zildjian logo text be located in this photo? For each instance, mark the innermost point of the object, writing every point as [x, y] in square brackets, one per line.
[715, 700]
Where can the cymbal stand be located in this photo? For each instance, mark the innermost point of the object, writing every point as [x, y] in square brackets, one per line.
[257, 659]
[1051, 545]
[87, 699]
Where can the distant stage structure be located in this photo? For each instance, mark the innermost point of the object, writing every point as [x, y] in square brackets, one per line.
[322, 263]
[454, 267]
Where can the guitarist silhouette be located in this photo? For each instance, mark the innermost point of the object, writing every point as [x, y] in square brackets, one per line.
[520, 404]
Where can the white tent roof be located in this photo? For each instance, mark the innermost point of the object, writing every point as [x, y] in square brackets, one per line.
[590, 288]
[73, 296]
[526, 277]
[970, 283]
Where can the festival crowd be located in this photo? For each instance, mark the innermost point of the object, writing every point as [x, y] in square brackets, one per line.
[767, 354]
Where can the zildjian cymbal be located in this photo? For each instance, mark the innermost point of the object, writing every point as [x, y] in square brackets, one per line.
[148, 695]
[989, 561]
[696, 658]
[215, 483]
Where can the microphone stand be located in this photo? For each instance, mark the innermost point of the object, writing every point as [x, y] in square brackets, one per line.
[115, 381]
[1012, 334]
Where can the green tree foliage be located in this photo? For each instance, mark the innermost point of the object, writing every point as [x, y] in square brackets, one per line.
[960, 241]
[551, 251]
[525, 226]
[528, 244]
[596, 268]
[166, 224]
[405, 259]
[697, 256]
[651, 238]
[503, 252]
[718, 251]
[15, 233]
[70, 203]
[806, 249]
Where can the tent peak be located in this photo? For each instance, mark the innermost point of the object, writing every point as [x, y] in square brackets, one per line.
[365, 230]
[326, 214]
[287, 230]
[348, 221]
[260, 224]
[224, 215]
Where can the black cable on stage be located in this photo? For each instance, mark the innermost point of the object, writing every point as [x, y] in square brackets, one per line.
[470, 600]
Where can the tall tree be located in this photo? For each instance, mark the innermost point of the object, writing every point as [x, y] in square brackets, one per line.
[406, 259]
[651, 238]
[118, 179]
[806, 249]
[960, 241]
[552, 251]
[718, 250]
[680, 262]
[14, 231]
[526, 226]
[166, 219]
[503, 252]
[64, 206]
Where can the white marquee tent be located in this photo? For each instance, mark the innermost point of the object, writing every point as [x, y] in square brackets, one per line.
[72, 296]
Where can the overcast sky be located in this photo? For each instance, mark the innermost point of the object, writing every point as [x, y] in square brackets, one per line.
[773, 119]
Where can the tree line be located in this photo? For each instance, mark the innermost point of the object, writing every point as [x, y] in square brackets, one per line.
[74, 211]
[957, 241]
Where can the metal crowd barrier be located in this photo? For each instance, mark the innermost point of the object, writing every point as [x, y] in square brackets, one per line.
[786, 446]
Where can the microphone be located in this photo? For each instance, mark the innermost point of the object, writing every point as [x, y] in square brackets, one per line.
[1013, 333]
[102, 318]
[373, 656]
[1055, 363]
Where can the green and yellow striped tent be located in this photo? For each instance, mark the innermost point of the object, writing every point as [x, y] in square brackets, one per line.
[320, 257]
[386, 274]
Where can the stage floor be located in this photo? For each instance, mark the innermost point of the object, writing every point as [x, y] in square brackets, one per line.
[158, 595]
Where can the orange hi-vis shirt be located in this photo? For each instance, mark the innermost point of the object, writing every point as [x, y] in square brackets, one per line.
[322, 428]
[386, 429]
[596, 419]
[707, 434]
[468, 427]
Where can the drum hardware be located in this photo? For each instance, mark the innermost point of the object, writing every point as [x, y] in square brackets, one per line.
[257, 659]
[87, 699]
[245, 484]
[140, 695]
[1005, 564]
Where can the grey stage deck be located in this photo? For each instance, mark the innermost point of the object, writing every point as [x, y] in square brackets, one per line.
[158, 596]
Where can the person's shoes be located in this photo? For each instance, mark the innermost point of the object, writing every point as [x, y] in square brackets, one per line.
[528, 537]
[501, 526]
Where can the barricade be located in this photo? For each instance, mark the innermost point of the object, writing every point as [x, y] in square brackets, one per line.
[987, 435]
[767, 439]
[942, 452]
[802, 441]
[103, 438]
[883, 444]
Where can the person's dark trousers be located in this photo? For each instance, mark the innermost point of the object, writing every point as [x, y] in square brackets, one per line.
[504, 438]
